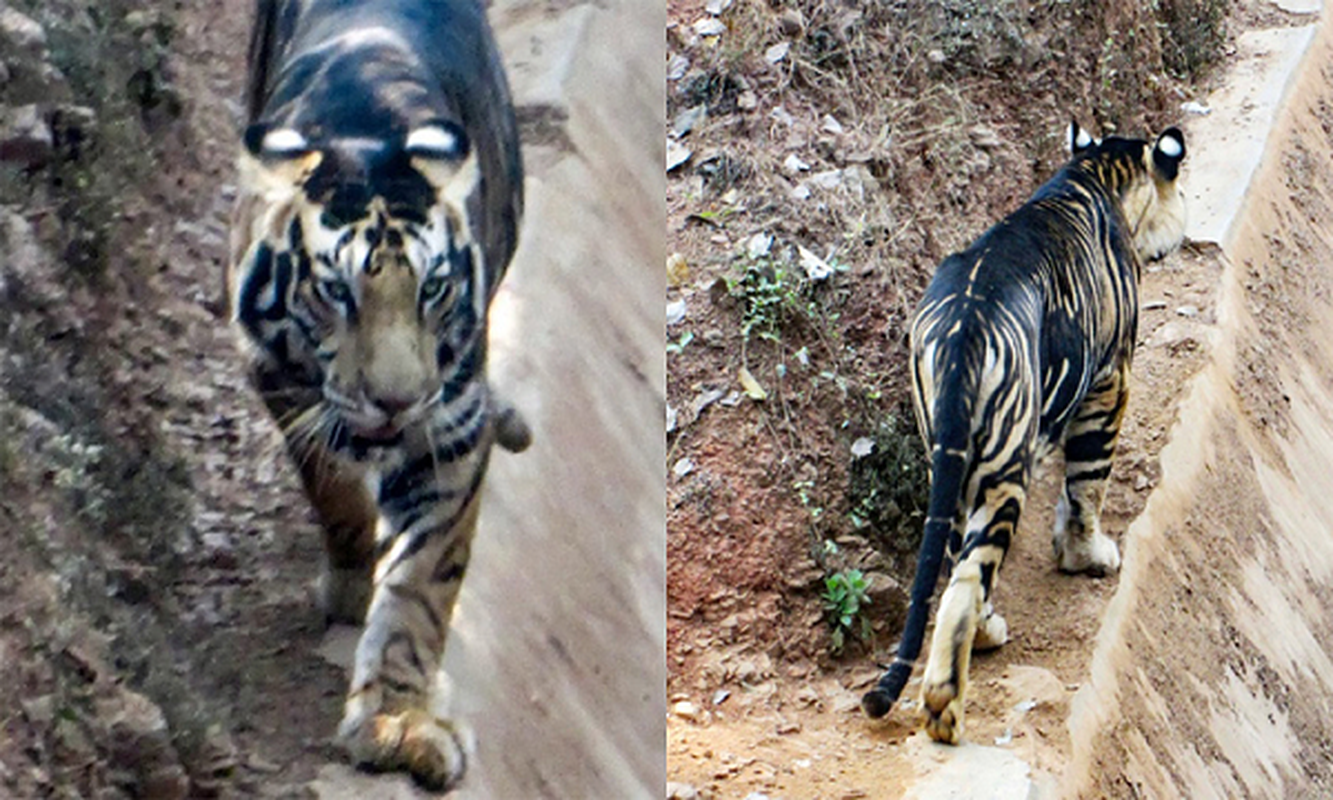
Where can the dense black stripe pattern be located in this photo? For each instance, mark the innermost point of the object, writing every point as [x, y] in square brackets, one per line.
[1026, 337]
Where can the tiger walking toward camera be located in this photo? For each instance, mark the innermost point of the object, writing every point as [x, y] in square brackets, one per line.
[381, 194]
[1024, 341]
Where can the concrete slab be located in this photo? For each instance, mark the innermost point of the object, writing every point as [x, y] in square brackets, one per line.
[1224, 147]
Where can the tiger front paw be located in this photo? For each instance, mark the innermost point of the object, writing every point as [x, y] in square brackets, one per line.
[943, 707]
[434, 751]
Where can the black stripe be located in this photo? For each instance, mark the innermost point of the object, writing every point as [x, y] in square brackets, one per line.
[1098, 474]
[413, 596]
[258, 276]
[419, 539]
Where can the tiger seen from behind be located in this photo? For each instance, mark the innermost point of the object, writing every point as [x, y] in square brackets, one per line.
[1023, 342]
[380, 200]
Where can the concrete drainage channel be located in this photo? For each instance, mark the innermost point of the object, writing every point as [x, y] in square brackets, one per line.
[1211, 676]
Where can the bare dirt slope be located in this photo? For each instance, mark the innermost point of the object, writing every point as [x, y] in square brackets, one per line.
[157, 614]
[1198, 672]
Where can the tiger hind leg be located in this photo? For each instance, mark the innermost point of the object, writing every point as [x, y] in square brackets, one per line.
[966, 621]
[944, 683]
[390, 721]
[1079, 543]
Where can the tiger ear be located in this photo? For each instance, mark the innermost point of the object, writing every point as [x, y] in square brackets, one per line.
[1079, 139]
[440, 140]
[1168, 153]
[441, 151]
[276, 161]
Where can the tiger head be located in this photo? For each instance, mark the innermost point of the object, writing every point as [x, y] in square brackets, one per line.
[359, 275]
[1144, 177]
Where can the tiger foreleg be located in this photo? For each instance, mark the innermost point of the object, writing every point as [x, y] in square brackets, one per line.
[346, 510]
[389, 722]
[1079, 543]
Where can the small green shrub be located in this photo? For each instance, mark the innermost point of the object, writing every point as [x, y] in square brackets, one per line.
[770, 294]
[844, 595]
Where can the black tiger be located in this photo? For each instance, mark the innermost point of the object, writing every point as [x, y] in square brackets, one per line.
[1021, 342]
[380, 202]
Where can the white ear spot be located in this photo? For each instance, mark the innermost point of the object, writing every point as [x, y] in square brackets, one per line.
[1170, 146]
[1079, 139]
[433, 141]
[284, 142]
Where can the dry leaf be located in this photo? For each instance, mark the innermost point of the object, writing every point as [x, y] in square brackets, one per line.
[751, 386]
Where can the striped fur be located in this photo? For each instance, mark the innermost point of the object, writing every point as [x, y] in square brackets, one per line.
[1024, 341]
[381, 198]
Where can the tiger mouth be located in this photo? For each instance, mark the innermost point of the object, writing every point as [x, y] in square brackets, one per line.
[383, 435]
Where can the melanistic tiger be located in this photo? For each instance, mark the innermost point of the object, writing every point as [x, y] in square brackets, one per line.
[380, 202]
[1021, 342]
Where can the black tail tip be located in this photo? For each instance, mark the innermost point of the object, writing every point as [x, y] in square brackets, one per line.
[876, 703]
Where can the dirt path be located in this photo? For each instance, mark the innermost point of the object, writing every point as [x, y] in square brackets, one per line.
[1116, 688]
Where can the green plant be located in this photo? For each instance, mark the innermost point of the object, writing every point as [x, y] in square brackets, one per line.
[769, 295]
[844, 595]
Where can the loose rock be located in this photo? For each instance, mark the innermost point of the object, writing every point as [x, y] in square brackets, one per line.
[25, 137]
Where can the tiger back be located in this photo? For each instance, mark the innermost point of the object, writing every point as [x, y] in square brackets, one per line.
[379, 207]
[1021, 342]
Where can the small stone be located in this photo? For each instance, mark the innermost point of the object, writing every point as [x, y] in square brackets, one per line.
[39, 711]
[791, 23]
[747, 101]
[675, 312]
[686, 711]
[689, 119]
[793, 164]
[25, 138]
[801, 192]
[681, 791]
[1141, 482]
[828, 179]
[1153, 305]
[1188, 311]
[141, 750]
[716, 7]
[758, 246]
[677, 67]
[20, 32]
[816, 268]
[936, 56]
[984, 137]
[710, 26]
[777, 52]
[703, 400]
[683, 467]
[713, 337]
[676, 154]
[831, 125]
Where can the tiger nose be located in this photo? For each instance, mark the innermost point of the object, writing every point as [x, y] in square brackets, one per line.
[394, 404]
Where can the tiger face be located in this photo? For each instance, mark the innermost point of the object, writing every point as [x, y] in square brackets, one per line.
[362, 271]
[1145, 176]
